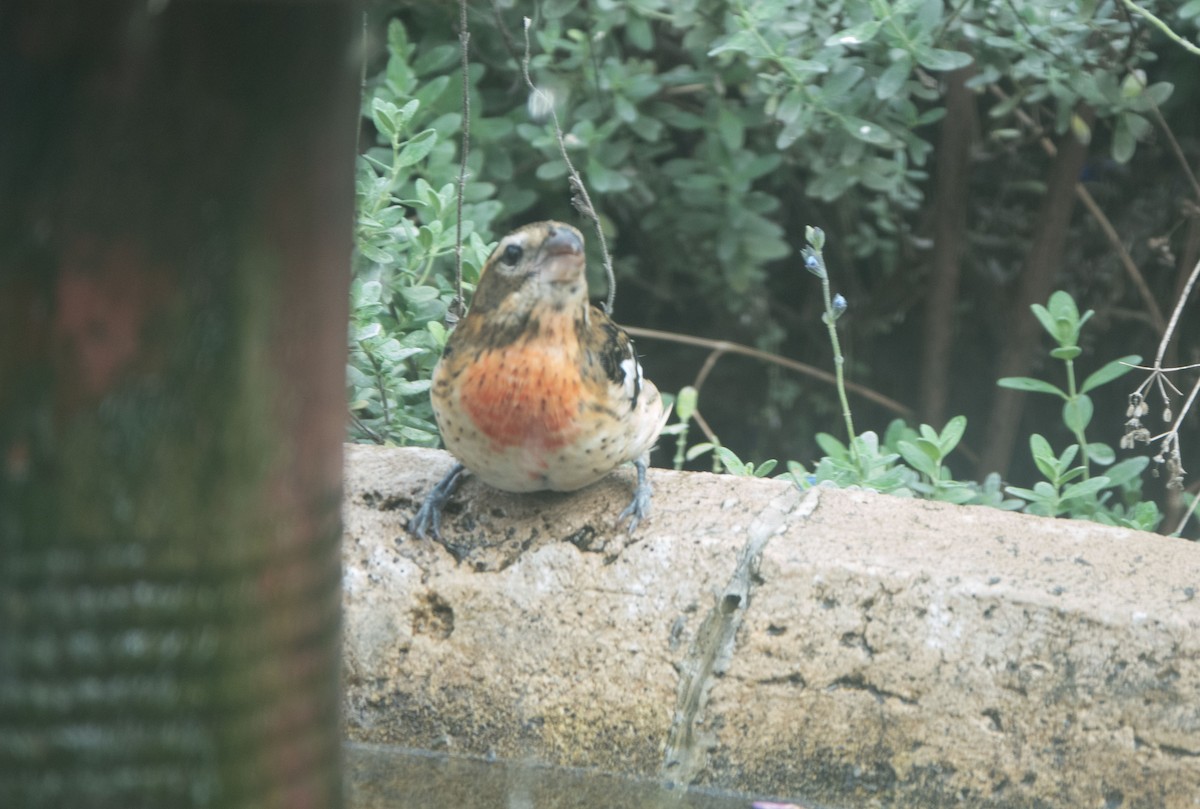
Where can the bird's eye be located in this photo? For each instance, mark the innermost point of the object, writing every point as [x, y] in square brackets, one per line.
[512, 254]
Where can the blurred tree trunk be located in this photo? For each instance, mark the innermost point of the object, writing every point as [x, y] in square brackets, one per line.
[1034, 285]
[950, 204]
[176, 201]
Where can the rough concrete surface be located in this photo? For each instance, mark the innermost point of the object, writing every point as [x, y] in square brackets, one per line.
[844, 646]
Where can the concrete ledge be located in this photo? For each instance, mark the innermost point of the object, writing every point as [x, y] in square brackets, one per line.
[841, 646]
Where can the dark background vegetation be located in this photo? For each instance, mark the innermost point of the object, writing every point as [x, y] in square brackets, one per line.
[941, 146]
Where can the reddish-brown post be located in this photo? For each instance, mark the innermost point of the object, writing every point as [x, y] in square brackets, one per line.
[176, 205]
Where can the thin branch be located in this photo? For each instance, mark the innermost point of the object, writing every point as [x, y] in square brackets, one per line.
[579, 194]
[1175, 315]
[1162, 26]
[724, 347]
[1131, 268]
[1178, 150]
[1110, 232]
[704, 428]
[1164, 370]
[458, 306]
[710, 362]
[360, 424]
[1187, 515]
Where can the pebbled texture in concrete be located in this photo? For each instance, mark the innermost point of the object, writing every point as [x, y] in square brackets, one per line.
[842, 646]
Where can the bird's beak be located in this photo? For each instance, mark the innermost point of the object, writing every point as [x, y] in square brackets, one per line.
[563, 253]
[564, 241]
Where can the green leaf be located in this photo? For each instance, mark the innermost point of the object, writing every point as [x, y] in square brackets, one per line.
[397, 37]
[436, 59]
[603, 179]
[369, 292]
[730, 128]
[1124, 143]
[551, 170]
[641, 35]
[1045, 318]
[1101, 453]
[1030, 385]
[957, 493]
[855, 34]
[831, 446]
[839, 83]
[438, 331]
[1144, 517]
[417, 148]
[732, 462]
[1043, 456]
[1081, 129]
[1127, 470]
[1066, 352]
[742, 41]
[1027, 494]
[415, 387]
[794, 101]
[867, 131]
[939, 59]
[384, 115]
[802, 66]
[1159, 92]
[421, 294]
[893, 78]
[918, 456]
[1107, 373]
[685, 403]
[392, 351]
[373, 253]
[1085, 488]
[952, 433]
[1077, 413]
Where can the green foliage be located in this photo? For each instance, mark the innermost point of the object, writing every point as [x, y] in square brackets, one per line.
[1068, 489]
[697, 120]
[911, 463]
[404, 240]
[1061, 319]
[684, 408]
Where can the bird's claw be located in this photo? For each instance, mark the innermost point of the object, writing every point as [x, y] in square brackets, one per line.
[427, 522]
[639, 507]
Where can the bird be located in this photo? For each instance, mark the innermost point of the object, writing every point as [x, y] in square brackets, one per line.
[536, 388]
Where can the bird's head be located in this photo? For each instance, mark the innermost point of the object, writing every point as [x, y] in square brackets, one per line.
[538, 265]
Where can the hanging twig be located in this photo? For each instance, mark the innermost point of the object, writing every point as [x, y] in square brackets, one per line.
[579, 194]
[1176, 313]
[458, 306]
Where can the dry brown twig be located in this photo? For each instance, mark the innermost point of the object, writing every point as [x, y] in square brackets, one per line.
[720, 347]
[1169, 456]
[1110, 232]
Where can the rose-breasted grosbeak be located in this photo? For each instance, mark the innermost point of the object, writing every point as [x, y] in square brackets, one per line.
[537, 389]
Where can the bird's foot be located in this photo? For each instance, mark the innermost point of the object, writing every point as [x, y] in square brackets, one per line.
[639, 507]
[427, 522]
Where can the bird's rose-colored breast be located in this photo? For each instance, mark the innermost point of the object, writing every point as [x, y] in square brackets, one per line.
[523, 397]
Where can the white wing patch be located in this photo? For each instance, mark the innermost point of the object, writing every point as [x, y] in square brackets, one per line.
[632, 369]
